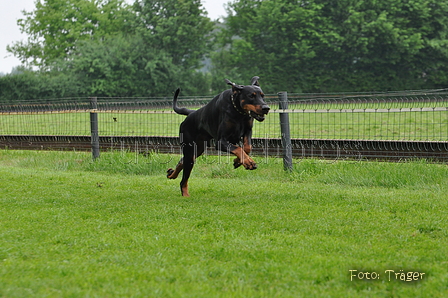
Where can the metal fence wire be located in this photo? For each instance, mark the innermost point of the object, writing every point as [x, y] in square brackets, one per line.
[411, 116]
[390, 116]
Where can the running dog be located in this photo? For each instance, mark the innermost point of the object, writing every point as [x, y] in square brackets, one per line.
[228, 119]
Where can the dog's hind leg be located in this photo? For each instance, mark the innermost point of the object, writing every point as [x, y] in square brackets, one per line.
[191, 152]
[173, 173]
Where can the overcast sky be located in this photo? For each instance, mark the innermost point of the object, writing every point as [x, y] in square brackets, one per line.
[11, 11]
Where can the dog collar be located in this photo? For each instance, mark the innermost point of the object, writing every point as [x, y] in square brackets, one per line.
[239, 110]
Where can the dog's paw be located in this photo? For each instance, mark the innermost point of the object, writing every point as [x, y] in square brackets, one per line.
[169, 172]
[236, 163]
[250, 165]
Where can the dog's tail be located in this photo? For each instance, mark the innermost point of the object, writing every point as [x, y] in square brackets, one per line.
[181, 111]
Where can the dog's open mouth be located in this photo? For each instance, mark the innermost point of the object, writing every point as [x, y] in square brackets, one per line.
[257, 117]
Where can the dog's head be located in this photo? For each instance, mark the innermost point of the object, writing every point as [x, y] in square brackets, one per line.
[250, 98]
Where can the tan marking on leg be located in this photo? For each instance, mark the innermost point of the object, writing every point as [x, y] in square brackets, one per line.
[248, 162]
[247, 147]
[172, 174]
[184, 190]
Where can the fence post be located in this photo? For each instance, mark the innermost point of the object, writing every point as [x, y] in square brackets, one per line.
[286, 135]
[95, 138]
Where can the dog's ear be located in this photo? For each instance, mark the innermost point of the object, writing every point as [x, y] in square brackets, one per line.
[235, 87]
[229, 82]
[254, 81]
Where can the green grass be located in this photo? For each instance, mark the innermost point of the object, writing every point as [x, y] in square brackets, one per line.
[70, 227]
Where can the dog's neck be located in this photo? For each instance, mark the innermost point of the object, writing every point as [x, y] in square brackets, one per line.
[238, 108]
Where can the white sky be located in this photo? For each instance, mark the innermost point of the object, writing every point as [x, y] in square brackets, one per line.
[11, 11]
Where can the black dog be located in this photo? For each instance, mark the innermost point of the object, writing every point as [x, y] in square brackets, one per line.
[228, 118]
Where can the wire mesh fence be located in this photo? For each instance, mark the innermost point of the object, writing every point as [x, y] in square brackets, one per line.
[117, 117]
[397, 116]
[413, 116]
[389, 126]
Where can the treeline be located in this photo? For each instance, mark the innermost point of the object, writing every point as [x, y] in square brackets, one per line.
[111, 49]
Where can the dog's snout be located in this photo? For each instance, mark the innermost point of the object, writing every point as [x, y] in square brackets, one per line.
[265, 108]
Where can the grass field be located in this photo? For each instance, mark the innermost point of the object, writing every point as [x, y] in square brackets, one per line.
[70, 227]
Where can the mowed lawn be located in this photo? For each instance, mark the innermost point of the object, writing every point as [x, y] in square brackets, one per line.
[70, 227]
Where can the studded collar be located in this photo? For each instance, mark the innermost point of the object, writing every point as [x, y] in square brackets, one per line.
[239, 109]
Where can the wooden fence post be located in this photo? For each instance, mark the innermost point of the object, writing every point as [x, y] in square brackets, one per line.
[286, 135]
[95, 138]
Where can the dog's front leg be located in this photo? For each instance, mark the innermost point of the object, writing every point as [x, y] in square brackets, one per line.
[241, 156]
[247, 147]
[243, 159]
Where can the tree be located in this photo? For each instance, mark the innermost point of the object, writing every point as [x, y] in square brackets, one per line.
[24, 84]
[114, 49]
[178, 27]
[121, 66]
[272, 39]
[55, 26]
[321, 45]
[389, 44]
